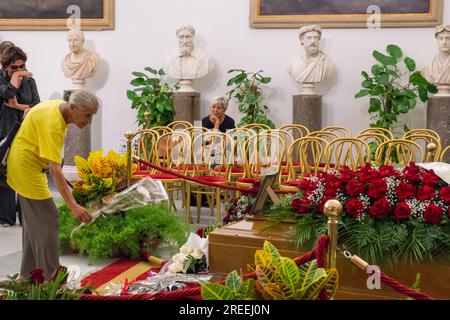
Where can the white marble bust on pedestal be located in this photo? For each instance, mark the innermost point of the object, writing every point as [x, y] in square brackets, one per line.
[437, 71]
[79, 64]
[312, 65]
[187, 62]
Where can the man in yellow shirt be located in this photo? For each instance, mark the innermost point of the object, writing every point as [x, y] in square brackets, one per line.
[38, 144]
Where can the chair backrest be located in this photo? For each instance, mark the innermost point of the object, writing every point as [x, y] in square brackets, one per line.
[309, 152]
[195, 131]
[145, 144]
[297, 130]
[373, 140]
[341, 132]
[377, 130]
[399, 151]
[266, 151]
[445, 155]
[209, 149]
[326, 135]
[179, 125]
[351, 152]
[429, 142]
[162, 129]
[422, 132]
[257, 127]
[238, 139]
[174, 151]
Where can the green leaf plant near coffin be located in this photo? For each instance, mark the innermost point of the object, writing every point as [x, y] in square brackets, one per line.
[278, 278]
[152, 98]
[130, 234]
[246, 90]
[393, 86]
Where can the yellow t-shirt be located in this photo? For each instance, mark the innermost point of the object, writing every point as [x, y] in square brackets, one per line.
[39, 140]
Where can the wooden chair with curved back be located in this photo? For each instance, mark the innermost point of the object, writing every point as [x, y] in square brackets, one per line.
[351, 152]
[296, 130]
[373, 140]
[341, 132]
[310, 153]
[429, 141]
[445, 155]
[257, 127]
[400, 151]
[179, 125]
[377, 130]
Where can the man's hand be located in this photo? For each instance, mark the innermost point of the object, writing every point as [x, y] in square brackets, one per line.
[81, 214]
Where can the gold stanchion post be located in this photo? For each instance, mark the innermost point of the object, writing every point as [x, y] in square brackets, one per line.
[332, 209]
[431, 152]
[129, 137]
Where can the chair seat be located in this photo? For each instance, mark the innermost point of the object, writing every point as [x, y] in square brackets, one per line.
[162, 176]
[191, 167]
[246, 180]
[283, 172]
[233, 169]
[211, 179]
[294, 183]
[141, 172]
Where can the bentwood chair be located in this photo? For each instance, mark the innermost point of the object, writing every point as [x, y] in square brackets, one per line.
[341, 132]
[445, 155]
[399, 151]
[351, 152]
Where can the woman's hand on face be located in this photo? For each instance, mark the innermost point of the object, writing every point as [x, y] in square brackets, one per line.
[214, 120]
[22, 74]
[81, 214]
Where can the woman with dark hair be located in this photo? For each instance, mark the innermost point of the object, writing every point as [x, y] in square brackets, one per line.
[18, 93]
[5, 45]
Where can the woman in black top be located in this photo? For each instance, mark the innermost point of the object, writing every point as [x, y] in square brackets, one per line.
[218, 120]
[18, 93]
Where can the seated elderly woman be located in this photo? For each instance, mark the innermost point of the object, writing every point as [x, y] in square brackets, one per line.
[218, 119]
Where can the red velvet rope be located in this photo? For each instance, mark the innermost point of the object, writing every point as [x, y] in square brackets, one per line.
[199, 181]
[401, 288]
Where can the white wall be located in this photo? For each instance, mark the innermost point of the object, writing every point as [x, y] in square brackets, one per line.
[144, 35]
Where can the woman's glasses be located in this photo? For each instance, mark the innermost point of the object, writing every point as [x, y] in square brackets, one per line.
[16, 67]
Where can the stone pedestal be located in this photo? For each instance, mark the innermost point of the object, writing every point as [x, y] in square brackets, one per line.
[438, 119]
[77, 142]
[307, 111]
[187, 106]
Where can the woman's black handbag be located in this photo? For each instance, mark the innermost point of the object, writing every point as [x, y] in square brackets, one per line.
[5, 145]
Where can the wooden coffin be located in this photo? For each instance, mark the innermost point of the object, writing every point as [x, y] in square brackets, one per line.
[233, 246]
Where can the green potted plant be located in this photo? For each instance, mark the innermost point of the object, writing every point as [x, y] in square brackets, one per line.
[393, 87]
[246, 91]
[152, 98]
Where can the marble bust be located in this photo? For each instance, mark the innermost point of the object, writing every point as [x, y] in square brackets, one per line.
[187, 62]
[312, 65]
[79, 64]
[437, 71]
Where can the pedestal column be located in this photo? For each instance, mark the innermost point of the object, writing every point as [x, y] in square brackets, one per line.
[438, 119]
[307, 111]
[77, 142]
[186, 106]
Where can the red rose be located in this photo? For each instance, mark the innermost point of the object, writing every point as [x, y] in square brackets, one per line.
[355, 188]
[330, 191]
[403, 211]
[302, 206]
[307, 185]
[430, 179]
[411, 173]
[380, 209]
[387, 171]
[367, 175]
[405, 190]
[433, 214]
[354, 208]
[37, 276]
[377, 189]
[323, 201]
[347, 174]
[444, 193]
[425, 193]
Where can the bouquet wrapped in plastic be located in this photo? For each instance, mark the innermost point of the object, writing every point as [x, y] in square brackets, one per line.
[144, 192]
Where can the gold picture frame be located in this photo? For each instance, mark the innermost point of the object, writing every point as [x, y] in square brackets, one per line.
[105, 20]
[328, 19]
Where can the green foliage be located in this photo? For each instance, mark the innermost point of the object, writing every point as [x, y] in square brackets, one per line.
[127, 234]
[278, 278]
[393, 87]
[246, 91]
[23, 289]
[151, 95]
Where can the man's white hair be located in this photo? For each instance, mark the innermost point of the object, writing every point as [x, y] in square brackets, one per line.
[441, 28]
[77, 32]
[187, 27]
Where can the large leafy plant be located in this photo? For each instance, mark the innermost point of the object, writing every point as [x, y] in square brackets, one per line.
[278, 278]
[393, 86]
[247, 92]
[152, 98]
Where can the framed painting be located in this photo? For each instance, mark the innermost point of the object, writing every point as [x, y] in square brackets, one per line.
[345, 13]
[55, 14]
